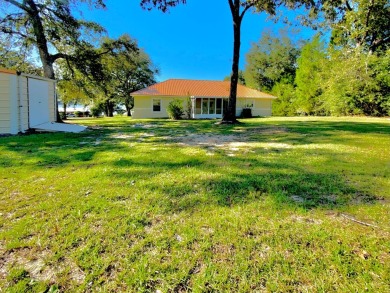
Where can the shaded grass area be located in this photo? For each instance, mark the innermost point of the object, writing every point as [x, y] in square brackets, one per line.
[139, 206]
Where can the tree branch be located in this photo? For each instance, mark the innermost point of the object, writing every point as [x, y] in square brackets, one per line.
[19, 5]
[231, 5]
[247, 7]
[379, 42]
[7, 30]
[348, 5]
[367, 21]
[359, 222]
[56, 56]
[12, 17]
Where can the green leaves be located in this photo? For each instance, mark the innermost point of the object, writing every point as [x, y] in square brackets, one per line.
[308, 78]
[48, 27]
[162, 5]
[355, 83]
[362, 23]
[109, 73]
[269, 61]
[175, 109]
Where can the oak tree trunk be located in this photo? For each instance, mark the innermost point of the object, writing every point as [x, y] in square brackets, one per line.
[64, 112]
[229, 115]
[128, 111]
[109, 108]
[129, 104]
[41, 41]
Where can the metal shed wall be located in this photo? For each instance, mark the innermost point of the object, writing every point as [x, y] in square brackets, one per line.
[15, 101]
[7, 91]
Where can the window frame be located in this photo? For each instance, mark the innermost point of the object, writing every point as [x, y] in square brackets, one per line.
[160, 102]
[248, 104]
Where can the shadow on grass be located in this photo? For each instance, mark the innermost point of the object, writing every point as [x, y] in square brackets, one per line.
[235, 183]
[295, 187]
[182, 184]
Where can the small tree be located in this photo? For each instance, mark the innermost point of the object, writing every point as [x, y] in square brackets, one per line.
[97, 109]
[356, 83]
[188, 110]
[309, 76]
[285, 104]
[175, 109]
[271, 60]
[121, 67]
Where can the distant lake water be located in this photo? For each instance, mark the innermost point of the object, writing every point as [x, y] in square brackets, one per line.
[72, 107]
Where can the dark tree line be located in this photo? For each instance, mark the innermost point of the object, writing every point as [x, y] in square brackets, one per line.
[320, 78]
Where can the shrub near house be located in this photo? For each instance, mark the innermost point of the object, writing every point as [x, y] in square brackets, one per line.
[175, 109]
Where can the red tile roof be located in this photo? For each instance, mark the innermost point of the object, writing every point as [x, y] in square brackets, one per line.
[198, 88]
[3, 70]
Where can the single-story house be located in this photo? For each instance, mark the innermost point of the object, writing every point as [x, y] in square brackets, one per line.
[208, 99]
[29, 102]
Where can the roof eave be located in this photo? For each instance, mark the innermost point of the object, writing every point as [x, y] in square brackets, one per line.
[222, 97]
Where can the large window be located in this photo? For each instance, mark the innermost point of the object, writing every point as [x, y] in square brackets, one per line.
[208, 106]
[212, 106]
[205, 106]
[219, 106]
[198, 106]
[156, 105]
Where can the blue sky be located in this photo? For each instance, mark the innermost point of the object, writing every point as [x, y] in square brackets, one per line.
[193, 41]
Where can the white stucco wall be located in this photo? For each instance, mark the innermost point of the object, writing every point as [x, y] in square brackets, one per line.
[143, 106]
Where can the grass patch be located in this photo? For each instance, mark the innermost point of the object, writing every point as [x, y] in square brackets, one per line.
[146, 205]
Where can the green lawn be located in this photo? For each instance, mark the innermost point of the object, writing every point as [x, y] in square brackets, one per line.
[270, 205]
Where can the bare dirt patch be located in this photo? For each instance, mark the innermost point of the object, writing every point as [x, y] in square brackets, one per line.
[37, 265]
[240, 139]
[307, 220]
[144, 126]
[208, 140]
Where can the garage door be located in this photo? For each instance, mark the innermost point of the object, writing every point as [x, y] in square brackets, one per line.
[38, 91]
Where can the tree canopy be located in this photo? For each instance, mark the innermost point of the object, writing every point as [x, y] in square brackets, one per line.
[270, 60]
[19, 61]
[125, 69]
[47, 26]
[361, 23]
[122, 68]
[50, 28]
[330, 80]
[308, 79]
[107, 71]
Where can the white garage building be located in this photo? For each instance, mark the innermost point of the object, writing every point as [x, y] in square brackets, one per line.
[29, 102]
